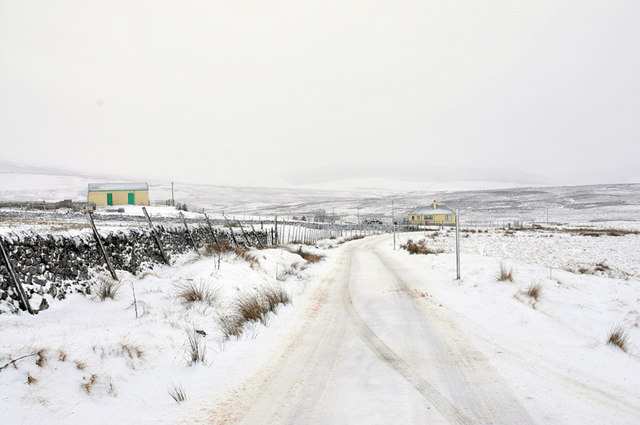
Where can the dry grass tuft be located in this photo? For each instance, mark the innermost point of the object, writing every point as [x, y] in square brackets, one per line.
[189, 293]
[308, 256]
[80, 365]
[247, 256]
[106, 287]
[534, 291]
[131, 350]
[195, 347]
[177, 393]
[419, 247]
[618, 337]
[88, 385]
[505, 274]
[41, 359]
[62, 355]
[252, 307]
[30, 379]
[352, 238]
[218, 248]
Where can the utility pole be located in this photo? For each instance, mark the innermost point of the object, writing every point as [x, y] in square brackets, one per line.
[393, 223]
[457, 245]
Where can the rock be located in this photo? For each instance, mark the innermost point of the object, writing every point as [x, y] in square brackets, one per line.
[44, 304]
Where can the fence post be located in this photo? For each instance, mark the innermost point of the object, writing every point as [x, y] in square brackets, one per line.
[212, 232]
[16, 281]
[101, 246]
[156, 237]
[276, 229]
[233, 235]
[256, 235]
[246, 238]
[193, 242]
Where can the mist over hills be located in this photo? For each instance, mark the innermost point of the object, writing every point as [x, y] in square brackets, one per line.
[587, 203]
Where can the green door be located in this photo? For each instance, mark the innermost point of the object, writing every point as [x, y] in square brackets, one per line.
[131, 199]
[109, 198]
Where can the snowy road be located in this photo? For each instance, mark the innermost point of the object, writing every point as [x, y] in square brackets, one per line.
[370, 350]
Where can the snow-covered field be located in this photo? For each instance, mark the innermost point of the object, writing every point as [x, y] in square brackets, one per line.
[543, 359]
[93, 361]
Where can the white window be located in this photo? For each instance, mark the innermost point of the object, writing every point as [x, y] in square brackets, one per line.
[448, 218]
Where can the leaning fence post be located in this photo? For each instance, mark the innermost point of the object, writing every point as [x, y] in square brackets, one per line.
[246, 238]
[101, 246]
[212, 232]
[156, 237]
[256, 235]
[193, 242]
[233, 235]
[16, 281]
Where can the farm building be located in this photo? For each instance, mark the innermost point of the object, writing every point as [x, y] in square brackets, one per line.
[104, 194]
[432, 214]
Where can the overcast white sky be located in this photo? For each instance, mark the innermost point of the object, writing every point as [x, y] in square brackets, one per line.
[270, 93]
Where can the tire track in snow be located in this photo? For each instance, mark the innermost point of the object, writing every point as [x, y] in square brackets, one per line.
[444, 406]
[498, 407]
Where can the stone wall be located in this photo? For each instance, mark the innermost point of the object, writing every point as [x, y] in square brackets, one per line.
[53, 266]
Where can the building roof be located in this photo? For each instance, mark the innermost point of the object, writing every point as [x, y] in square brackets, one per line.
[118, 186]
[428, 210]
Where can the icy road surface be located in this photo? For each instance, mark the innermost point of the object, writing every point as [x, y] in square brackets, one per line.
[371, 350]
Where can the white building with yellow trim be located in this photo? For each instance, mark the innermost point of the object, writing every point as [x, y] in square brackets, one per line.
[432, 215]
[127, 193]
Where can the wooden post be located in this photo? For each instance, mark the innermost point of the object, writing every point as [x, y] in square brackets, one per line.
[193, 242]
[211, 228]
[233, 235]
[16, 282]
[101, 246]
[156, 237]
[246, 238]
[276, 229]
[256, 235]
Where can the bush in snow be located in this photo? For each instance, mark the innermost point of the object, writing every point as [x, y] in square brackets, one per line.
[534, 291]
[195, 347]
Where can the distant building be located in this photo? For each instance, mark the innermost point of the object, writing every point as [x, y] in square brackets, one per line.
[105, 194]
[432, 214]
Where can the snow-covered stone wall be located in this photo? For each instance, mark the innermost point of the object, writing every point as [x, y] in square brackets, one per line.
[53, 266]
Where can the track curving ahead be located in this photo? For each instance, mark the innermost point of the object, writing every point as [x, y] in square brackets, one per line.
[366, 349]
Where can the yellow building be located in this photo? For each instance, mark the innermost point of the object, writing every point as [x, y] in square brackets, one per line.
[105, 194]
[432, 214]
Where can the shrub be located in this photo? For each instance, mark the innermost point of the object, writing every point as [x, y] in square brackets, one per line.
[250, 308]
[230, 325]
[618, 337]
[504, 274]
[177, 393]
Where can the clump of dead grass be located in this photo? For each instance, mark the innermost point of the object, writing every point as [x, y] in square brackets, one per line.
[505, 274]
[308, 256]
[177, 393]
[419, 247]
[618, 336]
[89, 383]
[252, 307]
[195, 347]
[534, 291]
[189, 292]
[106, 287]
